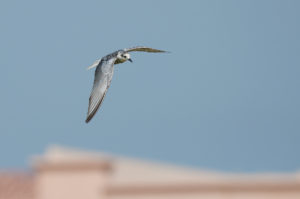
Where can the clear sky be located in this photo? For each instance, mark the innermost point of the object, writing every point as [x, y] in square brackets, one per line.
[226, 98]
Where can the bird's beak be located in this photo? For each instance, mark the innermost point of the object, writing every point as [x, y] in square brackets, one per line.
[130, 60]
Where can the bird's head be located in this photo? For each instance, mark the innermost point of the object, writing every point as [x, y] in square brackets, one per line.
[124, 56]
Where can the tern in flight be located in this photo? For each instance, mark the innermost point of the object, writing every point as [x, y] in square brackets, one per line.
[104, 73]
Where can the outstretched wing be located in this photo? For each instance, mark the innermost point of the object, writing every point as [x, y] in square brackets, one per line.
[144, 49]
[103, 77]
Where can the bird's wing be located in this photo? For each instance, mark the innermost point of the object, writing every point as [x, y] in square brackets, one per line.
[103, 76]
[144, 49]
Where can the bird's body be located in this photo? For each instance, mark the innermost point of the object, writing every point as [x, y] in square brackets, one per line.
[104, 73]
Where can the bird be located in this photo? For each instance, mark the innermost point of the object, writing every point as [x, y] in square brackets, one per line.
[104, 73]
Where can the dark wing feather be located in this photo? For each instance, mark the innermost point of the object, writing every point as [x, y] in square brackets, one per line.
[103, 77]
[144, 49]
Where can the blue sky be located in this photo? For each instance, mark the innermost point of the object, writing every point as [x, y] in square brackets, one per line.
[226, 98]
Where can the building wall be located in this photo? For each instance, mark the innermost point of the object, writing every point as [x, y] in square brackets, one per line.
[220, 195]
[16, 185]
[213, 191]
[72, 183]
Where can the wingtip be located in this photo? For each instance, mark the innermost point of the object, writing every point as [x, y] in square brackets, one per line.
[95, 64]
[88, 118]
[160, 51]
[163, 51]
[90, 67]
